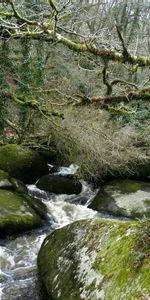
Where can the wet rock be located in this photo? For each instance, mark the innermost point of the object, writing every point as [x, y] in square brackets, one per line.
[59, 184]
[37, 205]
[16, 214]
[93, 260]
[53, 169]
[5, 182]
[22, 163]
[19, 186]
[8, 183]
[127, 198]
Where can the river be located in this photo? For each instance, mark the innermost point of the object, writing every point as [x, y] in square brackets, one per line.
[18, 254]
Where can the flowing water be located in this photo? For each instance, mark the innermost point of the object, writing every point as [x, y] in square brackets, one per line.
[18, 255]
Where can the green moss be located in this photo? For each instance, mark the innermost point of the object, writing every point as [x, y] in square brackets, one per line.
[128, 186]
[22, 163]
[50, 270]
[3, 175]
[143, 61]
[95, 260]
[91, 286]
[5, 180]
[116, 262]
[19, 186]
[15, 213]
[37, 205]
[127, 198]
[74, 46]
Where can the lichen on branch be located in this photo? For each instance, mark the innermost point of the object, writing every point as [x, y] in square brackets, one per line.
[38, 30]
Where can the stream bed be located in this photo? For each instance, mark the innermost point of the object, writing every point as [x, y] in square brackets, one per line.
[18, 254]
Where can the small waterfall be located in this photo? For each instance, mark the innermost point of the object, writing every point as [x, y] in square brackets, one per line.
[18, 255]
[64, 209]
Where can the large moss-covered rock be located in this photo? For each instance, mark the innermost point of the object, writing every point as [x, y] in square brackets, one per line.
[60, 184]
[16, 214]
[127, 198]
[37, 205]
[93, 260]
[22, 163]
[21, 189]
[8, 183]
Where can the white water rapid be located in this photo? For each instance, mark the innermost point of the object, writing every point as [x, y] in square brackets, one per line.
[18, 255]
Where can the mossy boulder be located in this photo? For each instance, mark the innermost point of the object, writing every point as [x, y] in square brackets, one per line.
[18, 186]
[22, 163]
[13, 184]
[95, 259]
[8, 182]
[60, 184]
[127, 198]
[5, 182]
[35, 203]
[16, 214]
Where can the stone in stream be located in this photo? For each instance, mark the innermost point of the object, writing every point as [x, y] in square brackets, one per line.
[5, 182]
[8, 183]
[59, 184]
[126, 198]
[96, 259]
[22, 163]
[18, 186]
[16, 214]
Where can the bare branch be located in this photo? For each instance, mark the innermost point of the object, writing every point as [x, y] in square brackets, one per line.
[53, 5]
[48, 31]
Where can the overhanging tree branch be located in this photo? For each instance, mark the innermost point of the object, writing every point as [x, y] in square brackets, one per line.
[125, 51]
[15, 26]
[51, 36]
[49, 32]
[53, 5]
[33, 103]
[102, 101]
[13, 126]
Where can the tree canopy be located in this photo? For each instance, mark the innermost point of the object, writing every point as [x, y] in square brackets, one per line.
[54, 23]
[111, 37]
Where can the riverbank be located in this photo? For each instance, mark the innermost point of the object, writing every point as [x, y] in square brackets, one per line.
[105, 143]
[18, 253]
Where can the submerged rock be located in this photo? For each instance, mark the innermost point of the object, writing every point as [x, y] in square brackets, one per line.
[22, 163]
[16, 214]
[59, 184]
[93, 260]
[127, 198]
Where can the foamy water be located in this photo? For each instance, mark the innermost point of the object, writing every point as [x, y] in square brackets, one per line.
[18, 256]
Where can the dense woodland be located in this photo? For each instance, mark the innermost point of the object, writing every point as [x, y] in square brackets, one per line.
[65, 59]
[74, 149]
